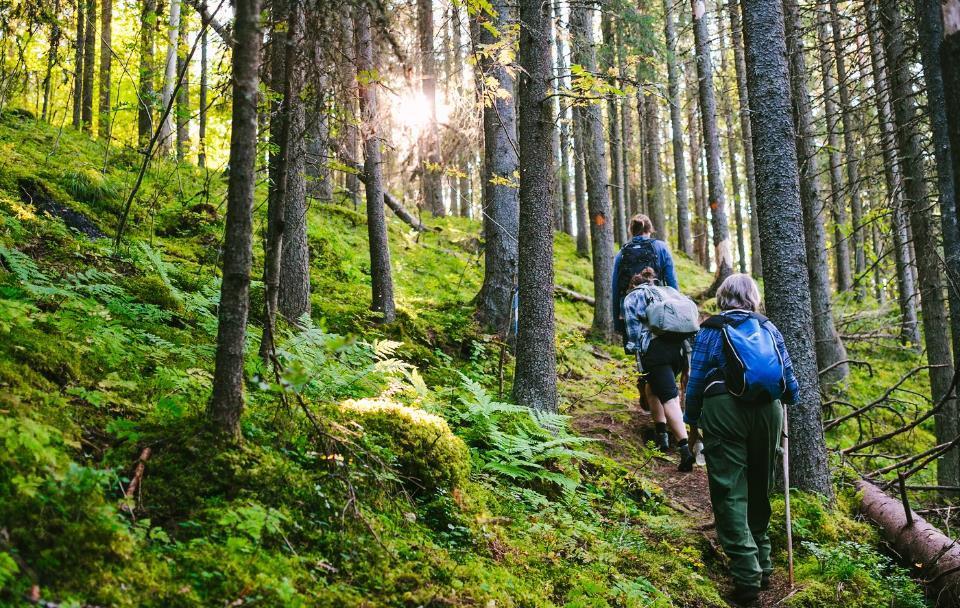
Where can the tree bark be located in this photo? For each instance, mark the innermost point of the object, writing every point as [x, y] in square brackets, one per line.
[925, 241]
[580, 184]
[555, 111]
[829, 348]
[226, 404]
[916, 541]
[348, 78]
[851, 157]
[52, 59]
[165, 141]
[658, 214]
[726, 103]
[700, 245]
[931, 34]
[501, 206]
[183, 93]
[841, 246]
[746, 135]
[381, 278]
[294, 292]
[626, 139]
[684, 239]
[535, 378]
[145, 97]
[906, 290]
[89, 60]
[78, 63]
[106, 61]
[430, 138]
[595, 172]
[950, 66]
[204, 87]
[786, 289]
[615, 143]
[708, 115]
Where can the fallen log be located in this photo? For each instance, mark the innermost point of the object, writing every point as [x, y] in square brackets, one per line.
[388, 199]
[937, 555]
[573, 296]
[131, 490]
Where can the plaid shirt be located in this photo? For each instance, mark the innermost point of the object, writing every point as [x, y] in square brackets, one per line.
[635, 315]
[708, 360]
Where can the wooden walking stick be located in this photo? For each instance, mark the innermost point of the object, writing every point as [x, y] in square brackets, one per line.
[786, 494]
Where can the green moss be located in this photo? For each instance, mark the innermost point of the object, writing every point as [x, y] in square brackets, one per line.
[429, 455]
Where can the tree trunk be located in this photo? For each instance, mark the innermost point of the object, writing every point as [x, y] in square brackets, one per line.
[786, 289]
[294, 293]
[829, 348]
[348, 79]
[684, 239]
[580, 185]
[430, 138]
[535, 378]
[925, 241]
[930, 28]
[226, 404]
[380, 275]
[595, 171]
[851, 157]
[501, 207]
[626, 138]
[950, 66]
[841, 246]
[145, 97]
[708, 114]
[318, 145]
[906, 290]
[165, 141]
[696, 171]
[727, 106]
[283, 35]
[106, 60]
[658, 214]
[78, 63]
[746, 135]
[183, 93]
[204, 86]
[613, 127]
[52, 60]
[89, 60]
[555, 111]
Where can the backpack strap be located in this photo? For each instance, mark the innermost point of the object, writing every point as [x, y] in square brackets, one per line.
[715, 322]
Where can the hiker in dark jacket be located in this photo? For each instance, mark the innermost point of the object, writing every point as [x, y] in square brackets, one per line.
[659, 360]
[643, 251]
[739, 439]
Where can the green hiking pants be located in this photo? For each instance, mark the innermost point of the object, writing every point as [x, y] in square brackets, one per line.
[740, 444]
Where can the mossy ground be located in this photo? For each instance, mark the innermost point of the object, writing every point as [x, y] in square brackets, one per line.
[417, 486]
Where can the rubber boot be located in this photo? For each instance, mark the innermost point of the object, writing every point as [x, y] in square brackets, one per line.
[663, 442]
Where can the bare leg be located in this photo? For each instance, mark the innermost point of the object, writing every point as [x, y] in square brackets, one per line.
[668, 412]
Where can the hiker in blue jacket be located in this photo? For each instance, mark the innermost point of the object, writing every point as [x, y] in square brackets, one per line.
[660, 358]
[643, 251]
[740, 433]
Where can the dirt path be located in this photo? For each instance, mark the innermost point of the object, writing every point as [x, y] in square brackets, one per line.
[625, 430]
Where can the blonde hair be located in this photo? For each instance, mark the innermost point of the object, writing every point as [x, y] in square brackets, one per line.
[739, 291]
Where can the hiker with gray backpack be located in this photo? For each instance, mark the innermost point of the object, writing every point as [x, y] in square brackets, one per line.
[659, 321]
[740, 371]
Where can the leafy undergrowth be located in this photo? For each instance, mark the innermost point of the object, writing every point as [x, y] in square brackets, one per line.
[382, 467]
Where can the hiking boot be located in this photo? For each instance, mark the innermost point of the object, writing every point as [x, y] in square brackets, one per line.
[686, 459]
[764, 581]
[744, 596]
[663, 442]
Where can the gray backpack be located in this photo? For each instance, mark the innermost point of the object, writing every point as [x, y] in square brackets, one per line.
[669, 312]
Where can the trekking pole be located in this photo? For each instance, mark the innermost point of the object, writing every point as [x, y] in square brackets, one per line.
[786, 494]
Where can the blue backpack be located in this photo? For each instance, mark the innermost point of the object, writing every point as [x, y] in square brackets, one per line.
[754, 370]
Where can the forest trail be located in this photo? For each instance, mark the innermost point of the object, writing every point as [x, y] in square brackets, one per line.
[624, 430]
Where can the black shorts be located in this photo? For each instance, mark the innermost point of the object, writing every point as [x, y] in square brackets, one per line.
[662, 362]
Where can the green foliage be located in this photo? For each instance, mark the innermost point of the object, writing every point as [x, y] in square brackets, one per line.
[856, 575]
